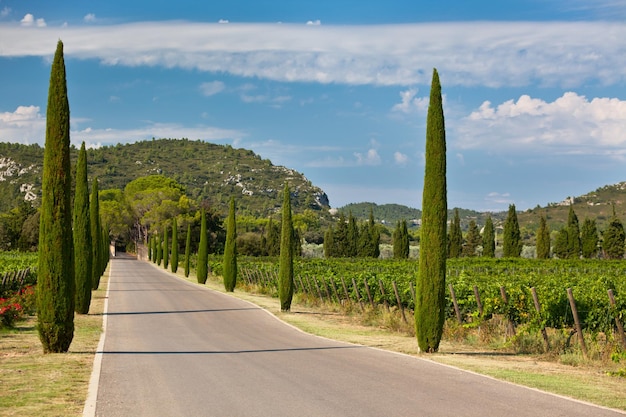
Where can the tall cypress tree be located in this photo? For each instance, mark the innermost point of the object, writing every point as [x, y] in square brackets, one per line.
[352, 242]
[187, 250]
[561, 244]
[159, 248]
[543, 239]
[573, 235]
[83, 249]
[202, 271]
[589, 239]
[174, 245]
[613, 238]
[230, 250]
[56, 276]
[153, 242]
[489, 239]
[285, 268]
[166, 248]
[96, 234]
[431, 282]
[472, 240]
[512, 238]
[329, 242]
[455, 238]
[401, 241]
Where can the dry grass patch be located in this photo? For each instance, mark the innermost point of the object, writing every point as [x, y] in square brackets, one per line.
[50, 385]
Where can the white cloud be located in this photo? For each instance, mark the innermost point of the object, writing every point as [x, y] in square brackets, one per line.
[491, 54]
[89, 18]
[314, 22]
[29, 20]
[27, 125]
[222, 21]
[410, 103]
[5, 11]
[400, 158]
[370, 158]
[499, 198]
[211, 88]
[571, 124]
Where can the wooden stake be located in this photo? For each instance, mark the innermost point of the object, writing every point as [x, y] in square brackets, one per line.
[620, 327]
[579, 329]
[456, 304]
[400, 306]
[538, 309]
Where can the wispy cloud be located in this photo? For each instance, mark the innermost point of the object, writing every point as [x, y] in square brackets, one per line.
[400, 158]
[89, 18]
[465, 53]
[27, 125]
[571, 124]
[5, 11]
[211, 88]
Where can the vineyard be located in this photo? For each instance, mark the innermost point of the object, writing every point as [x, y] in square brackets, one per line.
[17, 270]
[532, 293]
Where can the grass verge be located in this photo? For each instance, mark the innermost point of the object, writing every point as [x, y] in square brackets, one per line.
[50, 385]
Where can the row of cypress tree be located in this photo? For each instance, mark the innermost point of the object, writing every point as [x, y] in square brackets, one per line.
[73, 248]
[348, 240]
[572, 241]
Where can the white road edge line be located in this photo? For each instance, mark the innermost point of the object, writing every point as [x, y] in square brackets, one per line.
[92, 393]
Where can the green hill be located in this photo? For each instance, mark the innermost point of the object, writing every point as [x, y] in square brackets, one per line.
[215, 172]
[206, 170]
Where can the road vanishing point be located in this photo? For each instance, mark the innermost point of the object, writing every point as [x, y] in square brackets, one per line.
[175, 348]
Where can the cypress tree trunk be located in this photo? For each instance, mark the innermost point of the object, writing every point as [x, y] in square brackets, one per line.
[56, 275]
[202, 271]
[431, 282]
[230, 250]
[187, 250]
[96, 235]
[166, 249]
[174, 245]
[83, 248]
[285, 269]
[150, 248]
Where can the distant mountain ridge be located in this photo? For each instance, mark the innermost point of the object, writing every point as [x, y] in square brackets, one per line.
[206, 170]
[215, 172]
[598, 205]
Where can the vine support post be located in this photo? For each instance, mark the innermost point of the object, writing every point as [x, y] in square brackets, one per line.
[369, 294]
[538, 309]
[618, 323]
[579, 329]
[480, 304]
[400, 306]
[356, 290]
[456, 304]
[382, 291]
[505, 298]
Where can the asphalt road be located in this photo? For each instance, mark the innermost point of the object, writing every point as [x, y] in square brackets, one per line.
[174, 348]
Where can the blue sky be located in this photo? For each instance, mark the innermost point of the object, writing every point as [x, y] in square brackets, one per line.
[534, 91]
